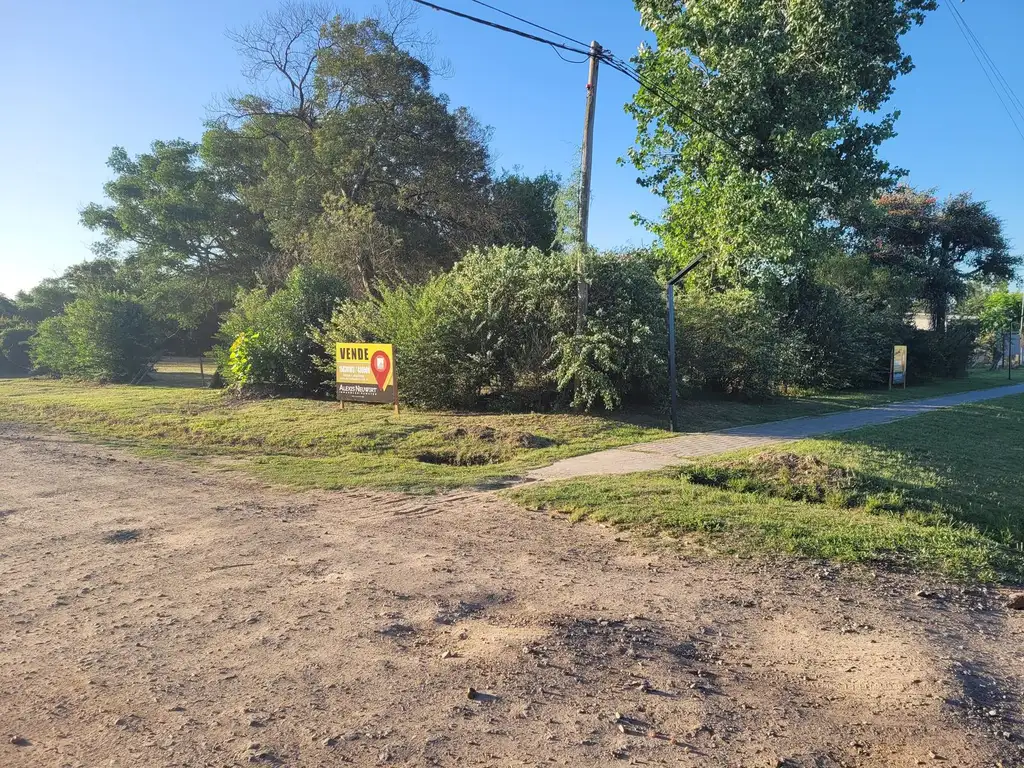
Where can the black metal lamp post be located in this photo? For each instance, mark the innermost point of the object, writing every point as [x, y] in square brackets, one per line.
[670, 296]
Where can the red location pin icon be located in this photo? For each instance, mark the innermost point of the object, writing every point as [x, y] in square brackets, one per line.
[380, 364]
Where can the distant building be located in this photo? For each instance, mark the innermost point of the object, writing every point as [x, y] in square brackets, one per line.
[922, 321]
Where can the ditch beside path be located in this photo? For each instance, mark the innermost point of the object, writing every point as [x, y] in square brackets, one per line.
[665, 453]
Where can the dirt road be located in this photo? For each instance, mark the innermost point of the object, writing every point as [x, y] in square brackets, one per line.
[156, 614]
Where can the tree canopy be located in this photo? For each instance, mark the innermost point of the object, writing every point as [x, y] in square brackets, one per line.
[755, 126]
[941, 245]
[353, 159]
[181, 222]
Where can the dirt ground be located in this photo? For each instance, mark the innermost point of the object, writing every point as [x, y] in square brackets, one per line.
[158, 614]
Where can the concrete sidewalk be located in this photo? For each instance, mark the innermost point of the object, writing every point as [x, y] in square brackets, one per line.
[673, 450]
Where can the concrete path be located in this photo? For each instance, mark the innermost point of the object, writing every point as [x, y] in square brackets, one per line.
[665, 453]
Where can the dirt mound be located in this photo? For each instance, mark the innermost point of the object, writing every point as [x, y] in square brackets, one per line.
[472, 432]
[477, 445]
[782, 475]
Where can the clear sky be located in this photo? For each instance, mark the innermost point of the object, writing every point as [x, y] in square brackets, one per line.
[79, 76]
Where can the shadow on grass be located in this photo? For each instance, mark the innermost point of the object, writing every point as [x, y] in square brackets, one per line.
[706, 412]
[942, 492]
[968, 462]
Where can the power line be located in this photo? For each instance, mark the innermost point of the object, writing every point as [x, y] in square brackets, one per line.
[612, 61]
[633, 73]
[535, 26]
[975, 44]
[570, 61]
[503, 28]
[962, 26]
[624, 68]
[1014, 99]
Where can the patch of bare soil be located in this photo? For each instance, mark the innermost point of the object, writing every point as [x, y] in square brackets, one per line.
[153, 614]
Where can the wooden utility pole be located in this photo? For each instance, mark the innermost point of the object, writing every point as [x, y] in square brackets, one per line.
[587, 165]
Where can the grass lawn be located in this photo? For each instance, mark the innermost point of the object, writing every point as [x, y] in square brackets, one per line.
[309, 443]
[184, 372]
[942, 492]
[314, 444]
[700, 415]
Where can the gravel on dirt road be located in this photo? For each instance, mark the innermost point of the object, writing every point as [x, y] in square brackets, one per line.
[166, 614]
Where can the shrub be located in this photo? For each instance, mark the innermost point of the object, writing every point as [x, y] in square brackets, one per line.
[621, 353]
[410, 318]
[103, 336]
[14, 358]
[844, 342]
[500, 328]
[268, 337]
[730, 342]
[934, 355]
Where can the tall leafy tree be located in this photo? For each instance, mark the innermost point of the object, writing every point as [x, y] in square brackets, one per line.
[46, 298]
[350, 139]
[757, 128]
[526, 209]
[183, 228]
[941, 245]
[51, 295]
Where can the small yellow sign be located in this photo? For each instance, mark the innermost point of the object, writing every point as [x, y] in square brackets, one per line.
[899, 366]
[366, 373]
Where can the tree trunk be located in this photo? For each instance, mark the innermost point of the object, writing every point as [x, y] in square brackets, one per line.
[368, 276]
[939, 310]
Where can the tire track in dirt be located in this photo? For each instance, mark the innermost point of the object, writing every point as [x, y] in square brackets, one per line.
[155, 614]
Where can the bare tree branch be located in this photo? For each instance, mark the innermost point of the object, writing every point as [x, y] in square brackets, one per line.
[280, 53]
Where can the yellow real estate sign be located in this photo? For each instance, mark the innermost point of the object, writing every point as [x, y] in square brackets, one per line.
[366, 373]
[899, 365]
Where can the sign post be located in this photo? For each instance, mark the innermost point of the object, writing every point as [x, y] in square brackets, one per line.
[366, 374]
[898, 366]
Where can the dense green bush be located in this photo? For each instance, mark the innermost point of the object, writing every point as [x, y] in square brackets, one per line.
[844, 342]
[738, 343]
[103, 336]
[933, 355]
[620, 355]
[731, 342]
[14, 336]
[500, 329]
[807, 336]
[267, 338]
[417, 321]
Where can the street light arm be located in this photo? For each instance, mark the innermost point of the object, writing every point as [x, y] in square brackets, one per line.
[686, 270]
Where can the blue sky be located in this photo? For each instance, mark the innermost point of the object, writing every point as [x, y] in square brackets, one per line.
[80, 77]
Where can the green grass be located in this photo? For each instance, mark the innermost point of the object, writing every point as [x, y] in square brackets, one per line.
[183, 372]
[700, 415]
[942, 492]
[313, 444]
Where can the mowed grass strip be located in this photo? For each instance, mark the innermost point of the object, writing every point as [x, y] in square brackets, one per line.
[941, 492]
[706, 414]
[314, 444]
